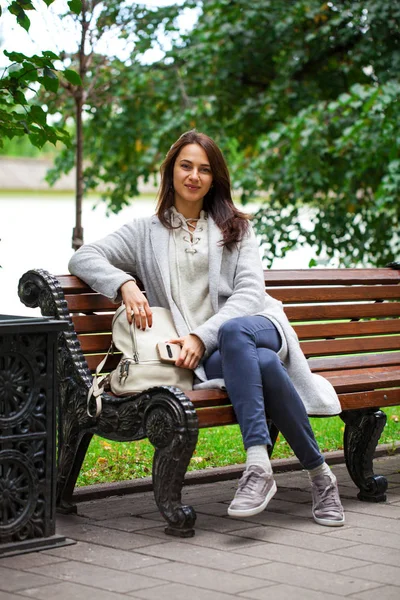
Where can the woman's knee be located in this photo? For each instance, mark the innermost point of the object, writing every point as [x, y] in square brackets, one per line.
[231, 328]
[269, 361]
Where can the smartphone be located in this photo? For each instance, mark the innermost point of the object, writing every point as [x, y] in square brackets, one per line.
[168, 353]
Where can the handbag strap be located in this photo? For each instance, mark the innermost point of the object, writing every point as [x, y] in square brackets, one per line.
[96, 389]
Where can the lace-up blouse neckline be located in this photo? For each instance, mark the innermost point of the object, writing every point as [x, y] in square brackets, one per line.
[188, 259]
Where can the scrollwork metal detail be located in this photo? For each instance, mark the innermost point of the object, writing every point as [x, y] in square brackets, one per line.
[160, 427]
[18, 491]
[16, 388]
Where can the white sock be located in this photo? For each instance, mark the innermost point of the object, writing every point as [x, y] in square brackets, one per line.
[258, 455]
[323, 469]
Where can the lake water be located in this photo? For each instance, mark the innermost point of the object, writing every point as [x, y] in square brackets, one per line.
[36, 231]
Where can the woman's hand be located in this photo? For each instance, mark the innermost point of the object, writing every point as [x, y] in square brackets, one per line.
[137, 306]
[191, 353]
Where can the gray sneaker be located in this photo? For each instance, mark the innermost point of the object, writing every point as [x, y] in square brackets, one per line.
[255, 490]
[327, 508]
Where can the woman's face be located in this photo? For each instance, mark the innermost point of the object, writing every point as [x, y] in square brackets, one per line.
[192, 179]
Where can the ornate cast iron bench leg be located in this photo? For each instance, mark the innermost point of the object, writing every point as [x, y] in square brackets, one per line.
[171, 425]
[362, 432]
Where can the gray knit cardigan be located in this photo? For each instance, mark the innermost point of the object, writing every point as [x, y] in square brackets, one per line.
[237, 288]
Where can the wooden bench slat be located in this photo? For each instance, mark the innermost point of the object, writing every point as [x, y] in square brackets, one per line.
[95, 343]
[299, 295]
[286, 277]
[334, 312]
[94, 359]
[363, 382]
[350, 346]
[89, 302]
[72, 284]
[372, 399]
[366, 360]
[370, 372]
[340, 329]
[92, 323]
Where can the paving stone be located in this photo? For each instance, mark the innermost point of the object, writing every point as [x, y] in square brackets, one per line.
[288, 592]
[286, 521]
[97, 577]
[154, 516]
[375, 554]
[292, 495]
[208, 539]
[218, 509]
[305, 558]
[204, 557]
[380, 573]
[105, 556]
[70, 591]
[106, 537]
[10, 596]
[15, 580]
[126, 523]
[386, 592]
[309, 578]
[177, 591]
[367, 536]
[25, 561]
[101, 511]
[289, 508]
[210, 579]
[297, 539]
[221, 524]
[382, 524]
[377, 509]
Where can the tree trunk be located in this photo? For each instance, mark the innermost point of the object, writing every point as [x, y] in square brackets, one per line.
[77, 233]
[79, 97]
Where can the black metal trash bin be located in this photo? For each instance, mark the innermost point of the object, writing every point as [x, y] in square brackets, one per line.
[28, 400]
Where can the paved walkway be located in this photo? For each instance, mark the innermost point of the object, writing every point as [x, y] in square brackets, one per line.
[122, 551]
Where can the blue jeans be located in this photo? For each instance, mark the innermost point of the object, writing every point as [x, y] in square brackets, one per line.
[258, 385]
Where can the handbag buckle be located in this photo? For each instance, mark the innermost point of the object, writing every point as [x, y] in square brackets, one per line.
[123, 371]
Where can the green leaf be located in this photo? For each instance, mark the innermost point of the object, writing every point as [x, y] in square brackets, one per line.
[38, 139]
[75, 6]
[25, 4]
[72, 77]
[15, 56]
[24, 21]
[38, 115]
[19, 97]
[50, 54]
[29, 72]
[50, 83]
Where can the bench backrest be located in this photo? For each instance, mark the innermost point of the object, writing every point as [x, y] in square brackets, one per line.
[346, 320]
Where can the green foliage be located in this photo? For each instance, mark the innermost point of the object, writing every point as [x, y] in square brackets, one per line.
[301, 95]
[22, 80]
[341, 159]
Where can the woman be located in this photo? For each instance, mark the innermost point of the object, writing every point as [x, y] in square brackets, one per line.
[198, 256]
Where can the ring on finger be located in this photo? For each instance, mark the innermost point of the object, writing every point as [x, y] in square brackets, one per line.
[141, 309]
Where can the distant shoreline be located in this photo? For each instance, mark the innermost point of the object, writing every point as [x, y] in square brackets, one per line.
[24, 174]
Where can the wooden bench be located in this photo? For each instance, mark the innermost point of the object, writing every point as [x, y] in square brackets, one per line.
[348, 324]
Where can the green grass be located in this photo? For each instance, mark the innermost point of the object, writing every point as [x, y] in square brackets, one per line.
[117, 461]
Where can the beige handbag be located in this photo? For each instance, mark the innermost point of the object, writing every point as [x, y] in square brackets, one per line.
[140, 367]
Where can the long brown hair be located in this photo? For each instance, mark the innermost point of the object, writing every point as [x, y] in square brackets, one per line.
[218, 201]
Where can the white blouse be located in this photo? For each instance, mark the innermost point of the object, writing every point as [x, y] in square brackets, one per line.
[188, 260]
